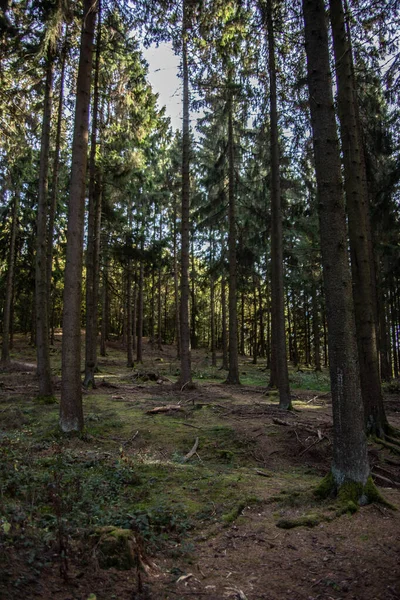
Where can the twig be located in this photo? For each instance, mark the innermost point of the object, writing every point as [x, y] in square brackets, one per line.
[312, 399]
[187, 424]
[310, 446]
[192, 452]
[131, 439]
[263, 474]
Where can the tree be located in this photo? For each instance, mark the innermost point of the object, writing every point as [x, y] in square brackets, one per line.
[350, 467]
[279, 359]
[362, 260]
[5, 348]
[185, 377]
[41, 286]
[71, 411]
[94, 219]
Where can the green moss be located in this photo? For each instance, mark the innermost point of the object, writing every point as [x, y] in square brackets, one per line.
[326, 487]
[351, 494]
[46, 400]
[115, 548]
[311, 520]
[373, 495]
[232, 515]
[349, 508]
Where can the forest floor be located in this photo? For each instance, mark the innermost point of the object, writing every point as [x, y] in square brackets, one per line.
[203, 490]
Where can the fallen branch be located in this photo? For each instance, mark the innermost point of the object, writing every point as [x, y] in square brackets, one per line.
[319, 439]
[263, 474]
[280, 422]
[192, 452]
[131, 439]
[187, 424]
[165, 409]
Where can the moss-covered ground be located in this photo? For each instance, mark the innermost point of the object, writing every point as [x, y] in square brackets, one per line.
[200, 519]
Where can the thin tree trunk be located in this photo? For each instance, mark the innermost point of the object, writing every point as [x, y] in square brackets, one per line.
[255, 322]
[55, 176]
[185, 377]
[41, 263]
[233, 371]
[316, 328]
[94, 199]
[5, 348]
[277, 287]
[159, 310]
[242, 325]
[104, 308]
[139, 339]
[350, 460]
[193, 312]
[212, 303]
[71, 411]
[129, 344]
[176, 287]
[358, 217]
[225, 364]
[261, 313]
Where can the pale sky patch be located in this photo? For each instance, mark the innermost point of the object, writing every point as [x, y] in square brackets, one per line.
[163, 76]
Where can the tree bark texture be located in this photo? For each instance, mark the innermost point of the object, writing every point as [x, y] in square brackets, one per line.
[350, 460]
[185, 363]
[41, 287]
[358, 218]
[71, 411]
[233, 370]
[277, 286]
[52, 209]
[92, 248]
[5, 348]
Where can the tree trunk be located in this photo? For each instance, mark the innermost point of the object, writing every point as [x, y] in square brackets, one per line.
[358, 217]
[261, 313]
[233, 371]
[212, 303]
[242, 325]
[104, 308]
[316, 327]
[139, 339]
[350, 460]
[277, 287]
[193, 312]
[94, 199]
[176, 287]
[52, 209]
[225, 363]
[71, 411]
[185, 377]
[255, 322]
[129, 344]
[41, 264]
[5, 348]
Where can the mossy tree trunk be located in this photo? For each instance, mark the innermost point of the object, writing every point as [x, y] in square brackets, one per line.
[350, 460]
[355, 177]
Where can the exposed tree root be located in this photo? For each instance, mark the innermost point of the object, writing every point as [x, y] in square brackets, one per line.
[393, 447]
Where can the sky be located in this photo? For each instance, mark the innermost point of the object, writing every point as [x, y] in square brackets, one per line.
[163, 76]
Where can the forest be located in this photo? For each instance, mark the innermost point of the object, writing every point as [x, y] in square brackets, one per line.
[200, 360]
